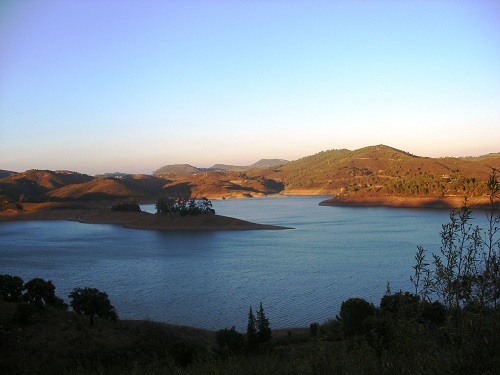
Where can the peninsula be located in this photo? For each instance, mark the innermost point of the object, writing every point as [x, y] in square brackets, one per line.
[135, 220]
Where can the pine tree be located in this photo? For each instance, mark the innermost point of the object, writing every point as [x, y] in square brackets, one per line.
[264, 333]
[251, 329]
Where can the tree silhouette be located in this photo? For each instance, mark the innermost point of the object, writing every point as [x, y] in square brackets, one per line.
[258, 330]
[264, 331]
[353, 315]
[251, 329]
[92, 302]
[11, 288]
[40, 293]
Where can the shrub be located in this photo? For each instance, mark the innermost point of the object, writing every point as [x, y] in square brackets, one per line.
[129, 205]
[400, 305]
[230, 338]
[354, 314]
[11, 288]
[314, 329]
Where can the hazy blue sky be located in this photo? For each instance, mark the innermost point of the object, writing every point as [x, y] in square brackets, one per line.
[116, 85]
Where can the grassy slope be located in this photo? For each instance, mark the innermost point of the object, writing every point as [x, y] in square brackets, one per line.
[52, 341]
[57, 342]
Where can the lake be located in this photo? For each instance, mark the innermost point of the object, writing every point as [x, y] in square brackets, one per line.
[210, 279]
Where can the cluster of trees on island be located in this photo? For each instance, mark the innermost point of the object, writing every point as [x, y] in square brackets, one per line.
[449, 323]
[184, 206]
[171, 205]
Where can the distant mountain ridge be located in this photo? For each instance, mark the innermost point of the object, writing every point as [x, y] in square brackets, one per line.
[374, 171]
[176, 169]
[189, 169]
[4, 173]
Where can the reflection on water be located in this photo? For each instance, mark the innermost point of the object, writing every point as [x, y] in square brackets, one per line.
[209, 279]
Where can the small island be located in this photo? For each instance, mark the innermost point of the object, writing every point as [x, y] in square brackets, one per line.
[101, 214]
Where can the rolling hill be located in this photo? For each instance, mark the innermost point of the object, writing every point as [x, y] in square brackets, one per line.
[44, 185]
[374, 171]
[381, 170]
[33, 184]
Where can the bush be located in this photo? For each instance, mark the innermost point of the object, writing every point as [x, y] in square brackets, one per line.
[354, 314]
[230, 338]
[129, 205]
[11, 288]
[434, 312]
[314, 329]
[400, 305]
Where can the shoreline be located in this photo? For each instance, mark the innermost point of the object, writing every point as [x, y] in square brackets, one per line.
[450, 202]
[138, 220]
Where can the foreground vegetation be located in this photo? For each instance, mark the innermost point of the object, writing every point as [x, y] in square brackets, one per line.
[449, 324]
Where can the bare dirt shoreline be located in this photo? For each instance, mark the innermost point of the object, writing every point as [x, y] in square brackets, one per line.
[137, 220]
[450, 202]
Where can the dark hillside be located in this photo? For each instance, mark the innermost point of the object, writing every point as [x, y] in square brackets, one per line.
[4, 173]
[50, 341]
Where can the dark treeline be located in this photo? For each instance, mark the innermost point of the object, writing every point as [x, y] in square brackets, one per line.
[419, 185]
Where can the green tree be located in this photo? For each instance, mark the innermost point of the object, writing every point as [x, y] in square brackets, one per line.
[466, 270]
[354, 314]
[251, 335]
[184, 206]
[463, 277]
[40, 293]
[489, 279]
[92, 302]
[11, 288]
[264, 331]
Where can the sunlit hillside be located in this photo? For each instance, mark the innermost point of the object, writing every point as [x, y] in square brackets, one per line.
[374, 171]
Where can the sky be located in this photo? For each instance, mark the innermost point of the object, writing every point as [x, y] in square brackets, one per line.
[132, 85]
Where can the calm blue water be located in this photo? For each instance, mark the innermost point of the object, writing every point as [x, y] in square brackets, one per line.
[209, 279]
